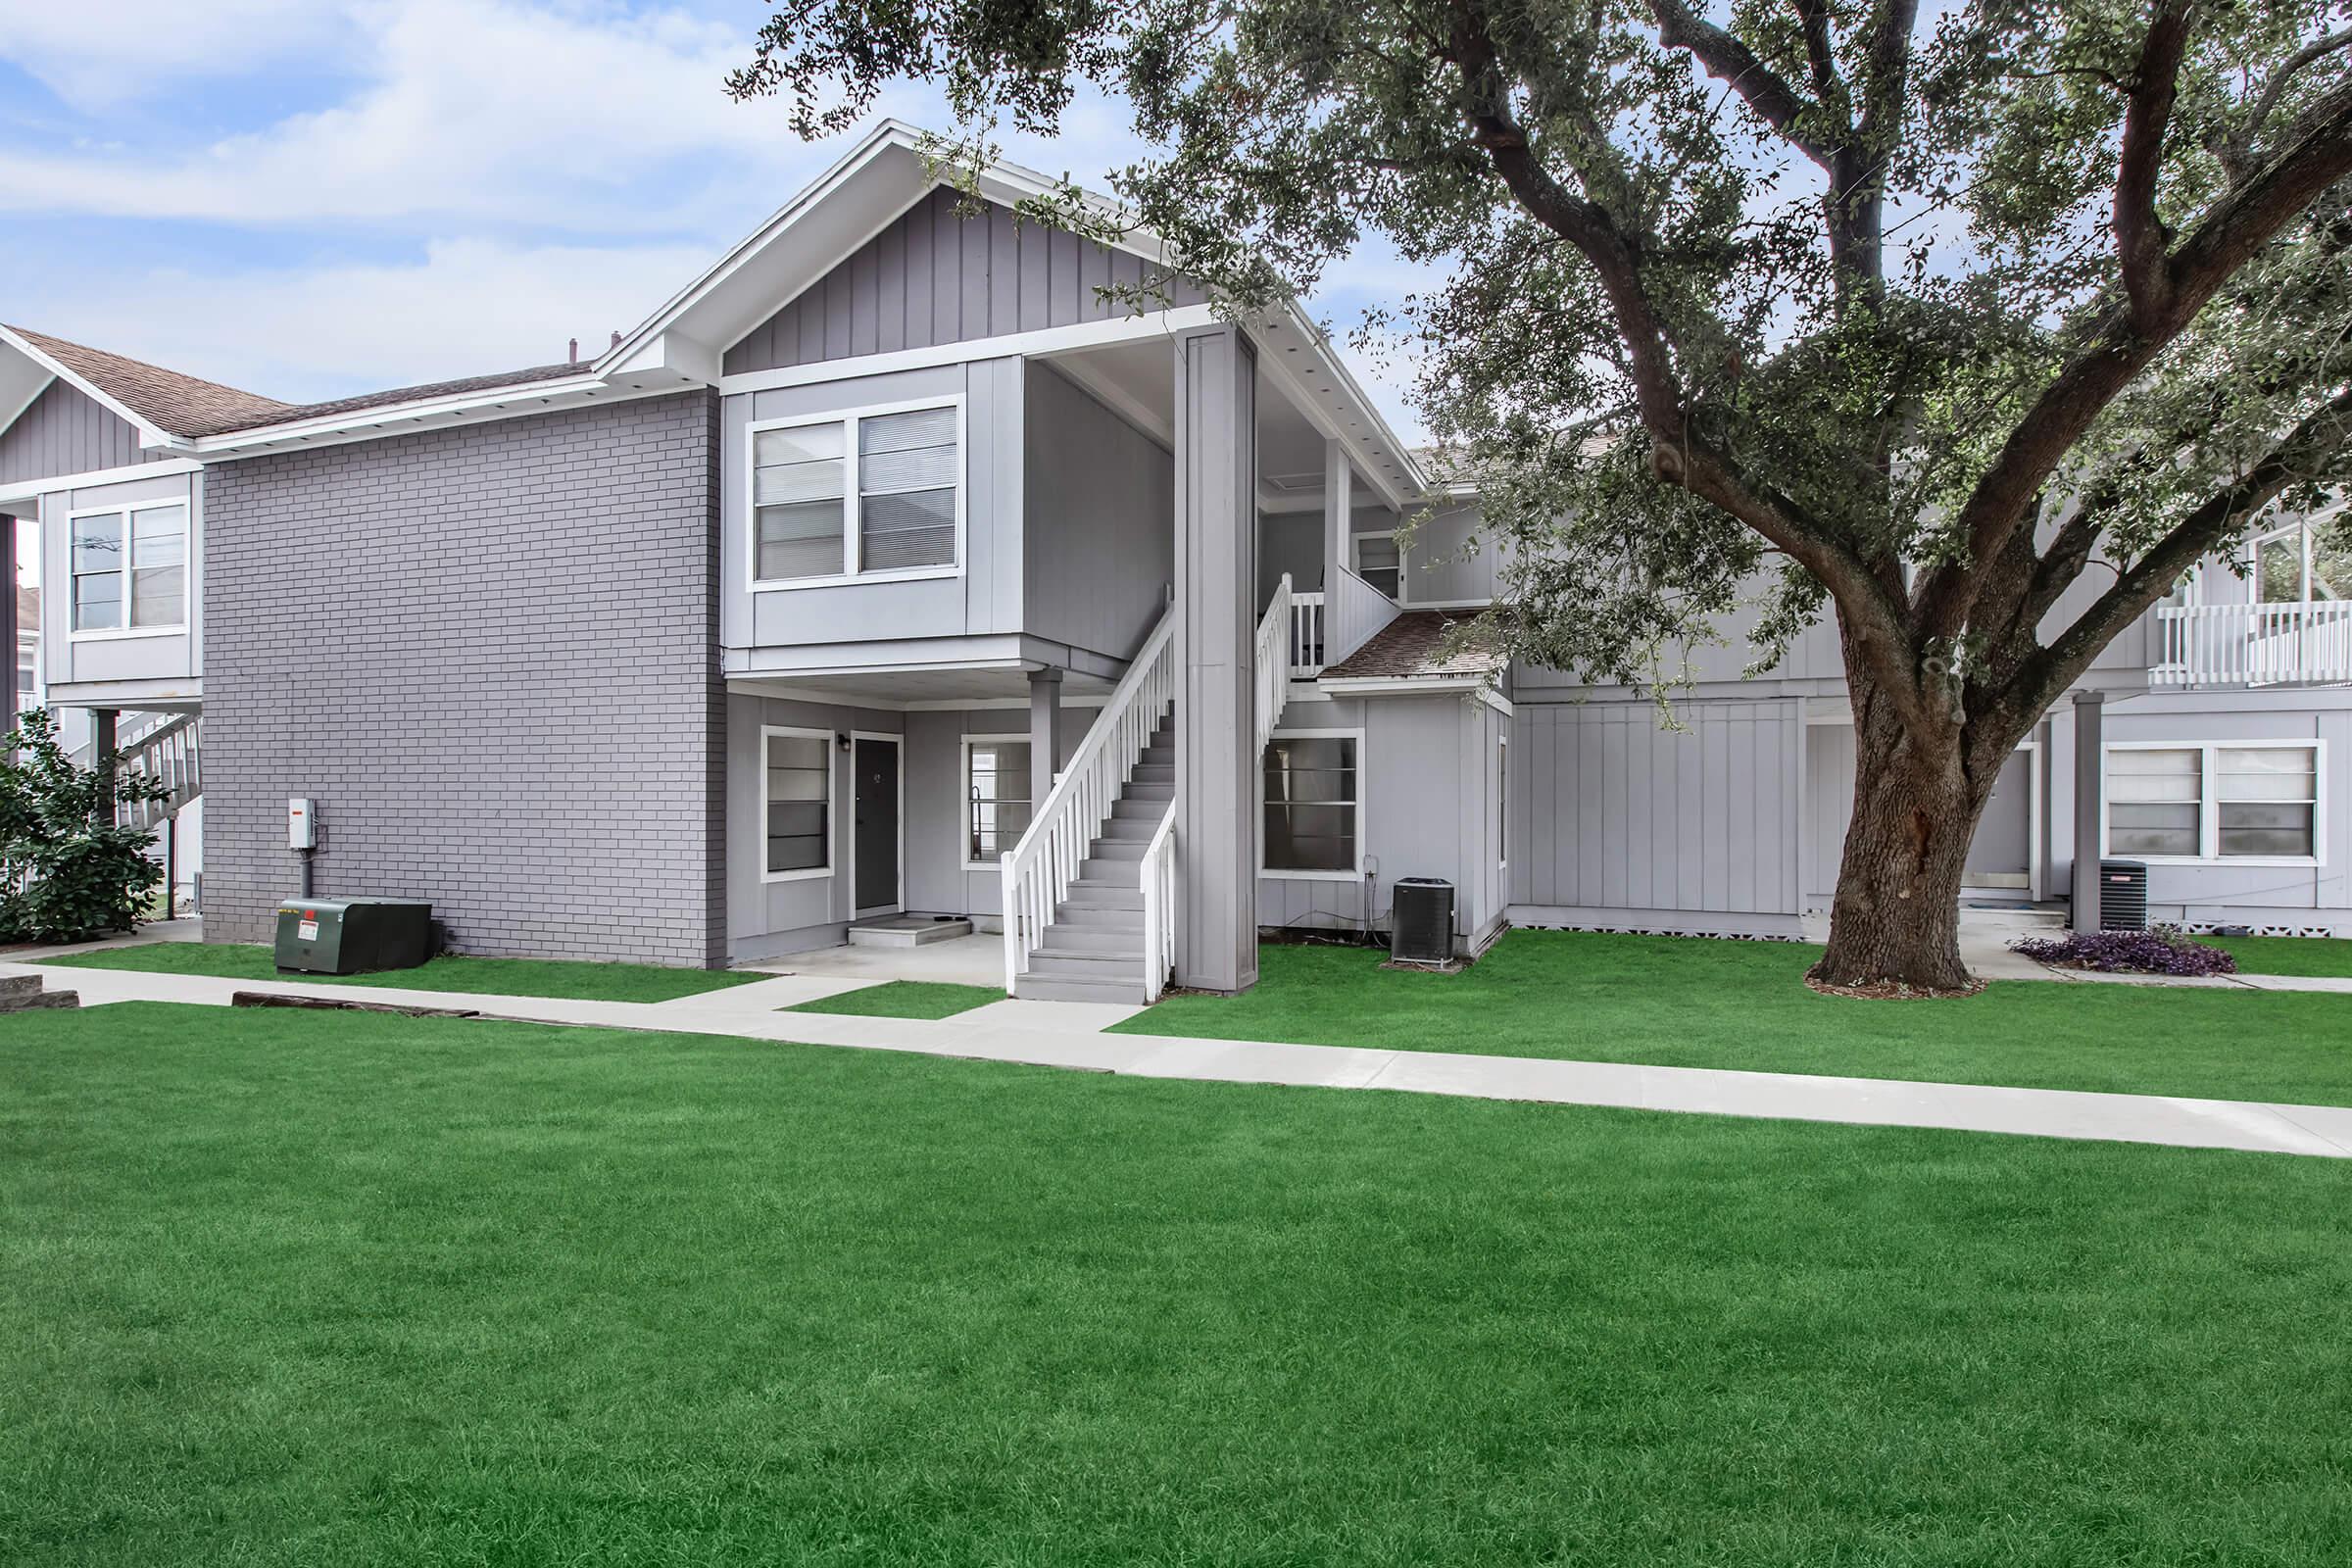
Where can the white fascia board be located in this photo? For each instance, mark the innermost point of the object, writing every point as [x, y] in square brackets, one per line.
[1291, 328]
[150, 435]
[1046, 340]
[430, 413]
[1419, 686]
[164, 468]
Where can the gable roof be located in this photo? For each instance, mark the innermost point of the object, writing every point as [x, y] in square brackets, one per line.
[164, 400]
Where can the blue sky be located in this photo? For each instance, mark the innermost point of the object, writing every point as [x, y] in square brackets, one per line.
[307, 198]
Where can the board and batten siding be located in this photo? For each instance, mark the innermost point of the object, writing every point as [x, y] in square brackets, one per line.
[1100, 550]
[66, 432]
[1609, 810]
[937, 274]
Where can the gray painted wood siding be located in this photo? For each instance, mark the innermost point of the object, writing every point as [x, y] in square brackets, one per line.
[1610, 811]
[1099, 548]
[66, 432]
[936, 275]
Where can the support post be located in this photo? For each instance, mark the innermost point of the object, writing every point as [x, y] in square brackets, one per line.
[102, 757]
[2090, 741]
[1044, 731]
[1339, 509]
[1216, 649]
[10, 631]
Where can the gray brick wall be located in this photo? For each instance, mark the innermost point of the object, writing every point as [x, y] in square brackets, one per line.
[491, 654]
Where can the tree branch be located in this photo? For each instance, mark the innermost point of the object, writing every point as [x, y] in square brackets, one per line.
[2322, 434]
[2139, 234]
[2237, 149]
[1733, 64]
[2244, 219]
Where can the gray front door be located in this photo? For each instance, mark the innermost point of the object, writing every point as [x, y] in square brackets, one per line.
[2000, 856]
[876, 797]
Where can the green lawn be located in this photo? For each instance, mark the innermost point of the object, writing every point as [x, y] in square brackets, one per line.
[500, 977]
[2296, 956]
[904, 999]
[336, 1289]
[1692, 1003]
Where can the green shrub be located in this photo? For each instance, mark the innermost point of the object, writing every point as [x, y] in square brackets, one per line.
[66, 876]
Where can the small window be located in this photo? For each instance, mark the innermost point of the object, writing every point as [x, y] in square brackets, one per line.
[2215, 802]
[996, 794]
[799, 802]
[798, 502]
[1312, 813]
[130, 570]
[1379, 561]
[866, 494]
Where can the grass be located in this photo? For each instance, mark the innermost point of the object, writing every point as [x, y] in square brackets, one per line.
[2322, 956]
[1693, 1002]
[333, 1289]
[501, 978]
[904, 999]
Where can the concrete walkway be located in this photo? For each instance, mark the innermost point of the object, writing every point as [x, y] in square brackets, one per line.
[1071, 1035]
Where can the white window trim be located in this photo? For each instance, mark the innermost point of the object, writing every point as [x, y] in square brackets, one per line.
[187, 572]
[832, 794]
[2209, 812]
[963, 793]
[847, 419]
[1356, 557]
[1263, 869]
[898, 743]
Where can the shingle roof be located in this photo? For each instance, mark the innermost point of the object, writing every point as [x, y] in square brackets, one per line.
[179, 404]
[185, 405]
[1413, 646]
[289, 413]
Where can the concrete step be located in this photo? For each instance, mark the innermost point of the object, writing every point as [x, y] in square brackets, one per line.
[1157, 757]
[1142, 808]
[1113, 851]
[1079, 936]
[1158, 795]
[1065, 988]
[1103, 916]
[1136, 830]
[1094, 892]
[1153, 773]
[1087, 964]
[907, 931]
[33, 1000]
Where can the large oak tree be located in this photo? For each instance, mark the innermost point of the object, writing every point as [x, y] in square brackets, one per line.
[1977, 332]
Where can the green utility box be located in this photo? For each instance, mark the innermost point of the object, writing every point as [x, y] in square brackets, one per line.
[353, 936]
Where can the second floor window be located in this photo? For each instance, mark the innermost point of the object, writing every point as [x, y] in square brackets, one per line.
[130, 568]
[872, 493]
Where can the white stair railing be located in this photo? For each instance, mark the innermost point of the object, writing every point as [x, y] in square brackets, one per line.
[1355, 613]
[170, 754]
[1159, 906]
[1273, 661]
[2309, 641]
[1037, 872]
[1307, 636]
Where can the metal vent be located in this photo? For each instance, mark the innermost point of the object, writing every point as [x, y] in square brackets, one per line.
[2122, 895]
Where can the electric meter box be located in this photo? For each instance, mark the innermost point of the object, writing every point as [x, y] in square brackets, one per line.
[302, 824]
[353, 936]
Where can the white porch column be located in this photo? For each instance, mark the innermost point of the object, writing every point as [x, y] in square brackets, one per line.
[1216, 625]
[2090, 740]
[1339, 490]
[9, 629]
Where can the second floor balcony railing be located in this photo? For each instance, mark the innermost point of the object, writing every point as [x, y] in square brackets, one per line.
[2305, 643]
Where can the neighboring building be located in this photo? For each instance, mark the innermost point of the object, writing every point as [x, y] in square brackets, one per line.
[788, 609]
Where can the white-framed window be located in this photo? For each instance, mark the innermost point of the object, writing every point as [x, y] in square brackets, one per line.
[1381, 564]
[996, 797]
[1314, 804]
[2302, 564]
[2223, 802]
[868, 494]
[130, 569]
[796, 804]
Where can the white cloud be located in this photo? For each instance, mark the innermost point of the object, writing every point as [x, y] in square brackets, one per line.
[465, 307]
[96, 55]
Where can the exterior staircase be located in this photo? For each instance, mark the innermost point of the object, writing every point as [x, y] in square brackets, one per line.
[1093, 948]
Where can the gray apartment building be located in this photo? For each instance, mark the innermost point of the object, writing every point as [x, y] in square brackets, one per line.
[888, 569]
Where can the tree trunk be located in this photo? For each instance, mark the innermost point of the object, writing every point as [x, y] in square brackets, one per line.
[1896, 919]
